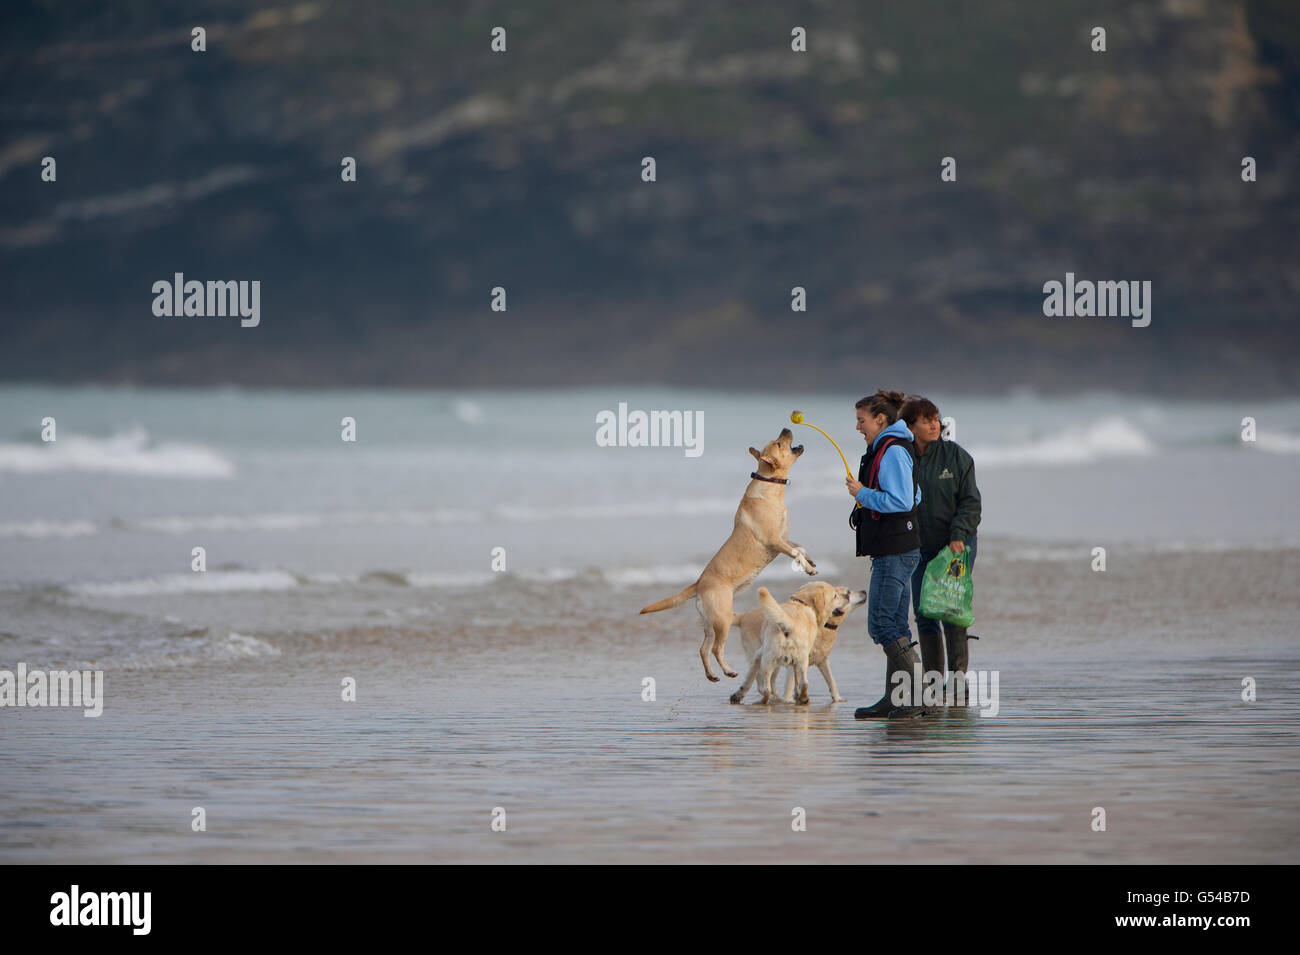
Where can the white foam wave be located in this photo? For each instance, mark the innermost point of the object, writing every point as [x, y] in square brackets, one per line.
[40, 530]
[436, 578]
[307, 520]
[615, 510]
[1278, 443]
[213, 581]
[127, 452]
[658, 574]
[157, 654]
[241, 645]
[468, 411]
[686, 573]
[1065, 553]
[1107, 438]
[286, 521]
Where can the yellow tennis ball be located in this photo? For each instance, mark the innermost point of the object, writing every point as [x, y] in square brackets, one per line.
[796, 417]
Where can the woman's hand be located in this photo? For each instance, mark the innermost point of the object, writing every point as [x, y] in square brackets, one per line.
[956, 546]
[853, 486]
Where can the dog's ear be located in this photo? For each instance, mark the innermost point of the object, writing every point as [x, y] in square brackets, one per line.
[762, 458]
[754, 452]
[822, 597]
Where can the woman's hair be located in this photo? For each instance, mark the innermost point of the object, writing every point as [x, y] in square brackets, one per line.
[883, 402]
[916, 408]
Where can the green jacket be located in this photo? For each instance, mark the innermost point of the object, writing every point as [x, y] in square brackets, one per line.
[950, 501]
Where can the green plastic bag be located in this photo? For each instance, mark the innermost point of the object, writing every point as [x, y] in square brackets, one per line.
[947, 590]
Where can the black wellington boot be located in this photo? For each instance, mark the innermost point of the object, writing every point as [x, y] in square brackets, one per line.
[958, 655]
[931, 654]
[900, 656]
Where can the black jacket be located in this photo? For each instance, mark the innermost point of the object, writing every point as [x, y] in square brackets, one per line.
[950, 501]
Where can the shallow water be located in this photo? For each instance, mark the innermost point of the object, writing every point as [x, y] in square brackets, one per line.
[523, 689]
[550, 725]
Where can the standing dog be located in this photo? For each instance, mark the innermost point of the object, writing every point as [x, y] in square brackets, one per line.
[751, 635]
[789, 631]
[758, 536]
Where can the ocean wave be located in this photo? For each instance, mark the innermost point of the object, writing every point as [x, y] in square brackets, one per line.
[1065, 553]
[615, 510]
[426, 579]
[294, 521]
[1278, 443]
[126, 452]
[165, 653]
[312, 520]
[43, 530]
[213, 581]
[1108, 438]
[686, 573]
[243, 581]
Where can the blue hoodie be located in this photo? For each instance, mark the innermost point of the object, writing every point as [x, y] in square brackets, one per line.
[895, 476]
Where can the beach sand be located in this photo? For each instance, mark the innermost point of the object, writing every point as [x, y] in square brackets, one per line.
[1110, 696]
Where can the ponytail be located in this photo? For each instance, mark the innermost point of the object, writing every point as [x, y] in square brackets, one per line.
[887, 403]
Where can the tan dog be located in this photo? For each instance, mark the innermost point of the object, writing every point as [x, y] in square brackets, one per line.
[751, 635]
[789, 632]
[757, 538]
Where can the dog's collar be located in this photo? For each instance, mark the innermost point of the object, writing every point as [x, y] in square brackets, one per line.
[758, 477]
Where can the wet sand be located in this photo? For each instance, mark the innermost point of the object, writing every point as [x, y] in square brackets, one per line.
[547, 722]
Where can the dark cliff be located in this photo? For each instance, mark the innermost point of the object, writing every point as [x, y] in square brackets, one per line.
[775, 169]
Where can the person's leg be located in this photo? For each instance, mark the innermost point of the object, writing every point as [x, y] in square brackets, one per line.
[891, 579]
[927, 629]
[914, 707]
[887, 624]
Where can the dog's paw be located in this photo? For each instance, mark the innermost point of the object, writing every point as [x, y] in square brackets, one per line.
[731, 673]
[712, 677]
[837, 699]
[736, 697]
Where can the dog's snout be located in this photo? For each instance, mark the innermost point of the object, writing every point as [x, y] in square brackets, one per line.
[786, 433]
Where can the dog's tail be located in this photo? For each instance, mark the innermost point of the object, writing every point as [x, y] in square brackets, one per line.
[676, 600]
[773, 612]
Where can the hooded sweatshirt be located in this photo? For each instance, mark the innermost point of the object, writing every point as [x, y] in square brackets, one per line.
[895, 476]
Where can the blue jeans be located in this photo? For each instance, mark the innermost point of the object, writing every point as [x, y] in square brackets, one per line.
[926, 626]
[887, 600]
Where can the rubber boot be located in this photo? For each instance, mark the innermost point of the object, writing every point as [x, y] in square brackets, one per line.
[882, 706]
[899, 656]
[958, 656]
[931, 653]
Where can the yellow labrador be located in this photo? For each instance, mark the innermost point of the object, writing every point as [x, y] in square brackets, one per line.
[758, 536]
[751, 635]
[788, 633]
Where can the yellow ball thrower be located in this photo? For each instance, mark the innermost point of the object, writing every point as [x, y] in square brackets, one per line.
[796, 417]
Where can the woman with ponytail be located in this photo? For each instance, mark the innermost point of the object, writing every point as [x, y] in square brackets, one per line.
[884, 519]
